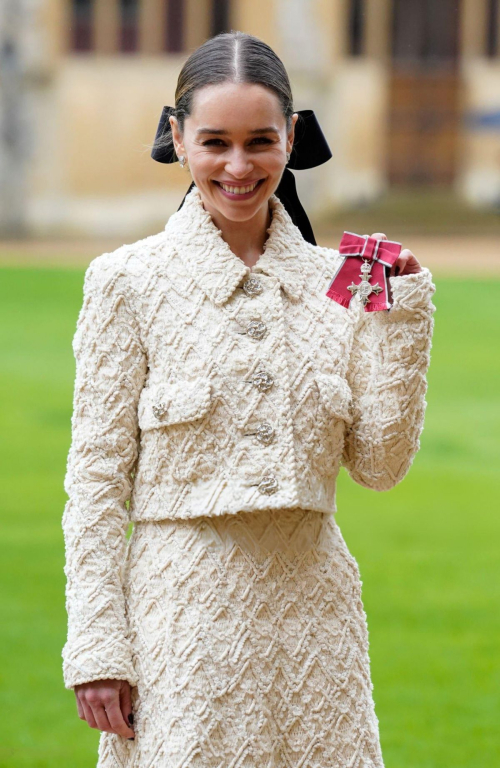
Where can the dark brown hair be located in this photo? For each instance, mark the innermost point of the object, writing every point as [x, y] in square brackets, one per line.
[235, 57]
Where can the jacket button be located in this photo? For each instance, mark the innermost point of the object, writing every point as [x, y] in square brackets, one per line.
[268, 484]
[256, 329]
[252, 286]
[159, 409]
[265, 432]
[262, 380]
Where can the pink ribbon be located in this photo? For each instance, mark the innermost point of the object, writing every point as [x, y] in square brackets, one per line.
[358, 251]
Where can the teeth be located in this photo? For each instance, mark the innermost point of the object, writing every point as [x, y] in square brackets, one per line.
[239, 190]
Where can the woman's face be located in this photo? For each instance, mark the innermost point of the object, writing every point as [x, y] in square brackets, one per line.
[235, 142]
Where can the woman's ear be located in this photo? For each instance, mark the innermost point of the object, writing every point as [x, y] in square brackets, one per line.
[291, 134]
[176, 136]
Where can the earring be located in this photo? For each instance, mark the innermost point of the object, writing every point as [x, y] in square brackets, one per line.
[288, 157]
[182, 161]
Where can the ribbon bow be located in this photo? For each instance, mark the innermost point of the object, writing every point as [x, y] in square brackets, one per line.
[367, 258]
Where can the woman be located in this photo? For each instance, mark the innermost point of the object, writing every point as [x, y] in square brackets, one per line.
[218, 391]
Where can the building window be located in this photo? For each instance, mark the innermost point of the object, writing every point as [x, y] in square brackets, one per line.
[220, 17]
[356, 27]
[175, 26]
[129, 25]
[425, 31]
[82, 33]
[492, 31]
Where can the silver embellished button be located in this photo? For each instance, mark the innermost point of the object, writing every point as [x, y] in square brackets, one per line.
[256, 329]
[268, 484]
[262, 380]
[159, 409]
[252, 286]
[264, 433]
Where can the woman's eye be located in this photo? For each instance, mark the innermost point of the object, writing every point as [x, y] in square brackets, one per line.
[259, 138]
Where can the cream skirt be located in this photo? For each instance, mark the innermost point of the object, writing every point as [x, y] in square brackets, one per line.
[251, 645]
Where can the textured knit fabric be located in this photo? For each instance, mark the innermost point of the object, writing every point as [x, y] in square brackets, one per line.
[206, 389]
[251, 644]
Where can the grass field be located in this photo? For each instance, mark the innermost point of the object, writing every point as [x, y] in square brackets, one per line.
[427, 550]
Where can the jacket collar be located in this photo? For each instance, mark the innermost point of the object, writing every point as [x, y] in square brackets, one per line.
[214, 266]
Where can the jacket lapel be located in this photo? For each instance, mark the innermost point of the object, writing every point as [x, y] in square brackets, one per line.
[214, 266]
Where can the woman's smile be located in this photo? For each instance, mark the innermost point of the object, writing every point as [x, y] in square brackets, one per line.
[240, 192]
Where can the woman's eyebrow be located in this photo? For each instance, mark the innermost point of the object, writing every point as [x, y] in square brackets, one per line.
[220, 132]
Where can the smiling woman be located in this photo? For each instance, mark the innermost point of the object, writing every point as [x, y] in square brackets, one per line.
[238, 171]
[218, 391]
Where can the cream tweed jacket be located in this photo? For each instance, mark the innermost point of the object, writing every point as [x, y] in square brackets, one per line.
[205, 387]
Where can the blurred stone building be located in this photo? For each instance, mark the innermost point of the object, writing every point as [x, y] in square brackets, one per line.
[407, 92]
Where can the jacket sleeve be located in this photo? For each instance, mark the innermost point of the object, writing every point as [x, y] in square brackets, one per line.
[387, 372]
[110, 373]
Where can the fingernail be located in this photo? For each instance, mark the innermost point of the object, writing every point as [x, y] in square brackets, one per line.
[131, 717]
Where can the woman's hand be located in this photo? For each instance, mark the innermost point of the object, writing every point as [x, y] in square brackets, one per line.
[106, 705]
[406, 263]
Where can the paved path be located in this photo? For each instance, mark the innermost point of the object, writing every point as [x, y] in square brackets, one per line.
[444, 255]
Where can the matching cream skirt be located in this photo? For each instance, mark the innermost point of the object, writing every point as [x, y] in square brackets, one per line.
[251, 644]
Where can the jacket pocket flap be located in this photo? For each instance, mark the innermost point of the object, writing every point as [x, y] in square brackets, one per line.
[163, 404]
[335, 395]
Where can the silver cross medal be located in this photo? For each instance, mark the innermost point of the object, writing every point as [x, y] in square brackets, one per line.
[364, 289]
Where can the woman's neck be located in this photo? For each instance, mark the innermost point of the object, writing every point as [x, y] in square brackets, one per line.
[246, 239]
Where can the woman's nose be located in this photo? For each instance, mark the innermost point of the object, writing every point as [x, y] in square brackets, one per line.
[238, 164]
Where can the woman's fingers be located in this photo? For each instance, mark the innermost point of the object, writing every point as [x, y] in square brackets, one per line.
[399, 265]
[126, 704]
[89, 715]
[81, 713]
[116, 719]
[100, 702]
[406, 263]
[101, 718]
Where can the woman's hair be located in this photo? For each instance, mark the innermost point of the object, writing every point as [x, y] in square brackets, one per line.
[234, 57]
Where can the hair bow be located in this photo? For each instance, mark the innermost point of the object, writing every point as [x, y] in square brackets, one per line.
[310, 149]
[370, 259]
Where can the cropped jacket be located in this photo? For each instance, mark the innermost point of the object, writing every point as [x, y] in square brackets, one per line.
[206, 387]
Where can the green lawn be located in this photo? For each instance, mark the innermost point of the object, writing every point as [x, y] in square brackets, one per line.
[427, 550]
